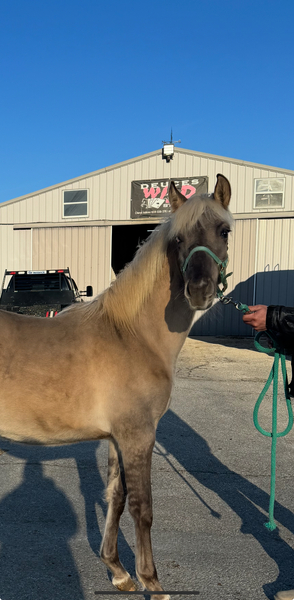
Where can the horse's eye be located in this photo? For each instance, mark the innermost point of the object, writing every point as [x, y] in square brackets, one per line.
[178, 240]
[225, 233]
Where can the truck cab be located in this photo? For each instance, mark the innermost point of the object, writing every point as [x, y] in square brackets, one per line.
[40, 292]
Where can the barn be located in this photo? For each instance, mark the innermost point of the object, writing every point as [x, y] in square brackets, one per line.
[94, 223]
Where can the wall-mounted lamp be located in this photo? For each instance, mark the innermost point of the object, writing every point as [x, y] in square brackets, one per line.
[167, 151]
[168, 148]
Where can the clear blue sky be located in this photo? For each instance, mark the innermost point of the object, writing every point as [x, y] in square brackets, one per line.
[85, 84]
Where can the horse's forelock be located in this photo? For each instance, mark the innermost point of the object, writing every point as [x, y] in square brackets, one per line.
[193, 211]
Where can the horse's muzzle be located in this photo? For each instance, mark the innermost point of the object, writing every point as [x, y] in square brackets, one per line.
[200, 294]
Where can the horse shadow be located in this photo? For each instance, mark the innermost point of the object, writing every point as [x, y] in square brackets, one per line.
[266, 287]
[37, 522]
[242, 496]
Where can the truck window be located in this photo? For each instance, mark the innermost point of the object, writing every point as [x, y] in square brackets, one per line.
[38, 282]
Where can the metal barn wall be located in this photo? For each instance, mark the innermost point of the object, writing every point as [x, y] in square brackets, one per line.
[275, 262]
[110, 188]
[85, 250]
[15, 249]
[240, 174]
[262, 260]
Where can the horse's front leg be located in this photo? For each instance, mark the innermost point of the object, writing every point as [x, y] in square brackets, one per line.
[137, 455]
[116, 498]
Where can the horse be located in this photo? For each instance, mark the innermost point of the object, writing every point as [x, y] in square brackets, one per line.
[105, 368]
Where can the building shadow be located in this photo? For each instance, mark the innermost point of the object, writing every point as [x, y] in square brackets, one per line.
[242, 496]
[268, 287]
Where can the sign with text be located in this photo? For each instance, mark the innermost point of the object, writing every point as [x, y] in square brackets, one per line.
[149, 198]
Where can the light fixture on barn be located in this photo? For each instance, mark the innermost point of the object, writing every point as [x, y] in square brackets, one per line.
[168, 148]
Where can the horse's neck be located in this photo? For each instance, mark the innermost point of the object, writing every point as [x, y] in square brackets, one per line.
[167, 318]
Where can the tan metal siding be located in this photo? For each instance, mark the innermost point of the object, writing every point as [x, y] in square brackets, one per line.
[275, 264]
[109, 190]
[276, 250]
[22, 249]
[15, 249]
[85, 250]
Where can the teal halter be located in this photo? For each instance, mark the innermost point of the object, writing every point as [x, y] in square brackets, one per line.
[222, 267]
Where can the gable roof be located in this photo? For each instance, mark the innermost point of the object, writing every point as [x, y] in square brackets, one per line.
[143, 157]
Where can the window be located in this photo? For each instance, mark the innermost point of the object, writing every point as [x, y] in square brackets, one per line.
[75, 203]
[269, 193]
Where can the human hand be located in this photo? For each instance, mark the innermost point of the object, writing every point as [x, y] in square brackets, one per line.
[257, 317]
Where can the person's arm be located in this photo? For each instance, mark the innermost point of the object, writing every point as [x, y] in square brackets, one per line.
[278, 319]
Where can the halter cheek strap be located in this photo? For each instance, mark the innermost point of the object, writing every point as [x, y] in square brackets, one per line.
[222, 267]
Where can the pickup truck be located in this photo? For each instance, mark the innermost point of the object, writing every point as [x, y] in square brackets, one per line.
[40, 293]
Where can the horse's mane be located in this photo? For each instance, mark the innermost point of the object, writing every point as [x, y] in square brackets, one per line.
[122, 302]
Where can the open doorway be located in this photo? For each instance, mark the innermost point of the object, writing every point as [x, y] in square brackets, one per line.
[125, 241]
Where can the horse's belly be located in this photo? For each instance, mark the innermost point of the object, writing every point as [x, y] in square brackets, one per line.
[49, 415]
[48, 429]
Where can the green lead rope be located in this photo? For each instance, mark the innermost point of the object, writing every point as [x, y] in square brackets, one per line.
[279, 355]
[273, 376]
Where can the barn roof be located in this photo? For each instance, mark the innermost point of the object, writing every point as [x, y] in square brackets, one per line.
[143, 157]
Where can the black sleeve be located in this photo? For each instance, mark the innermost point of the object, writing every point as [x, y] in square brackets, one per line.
[280, 320]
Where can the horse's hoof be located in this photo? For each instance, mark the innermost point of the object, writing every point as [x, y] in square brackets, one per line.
[124, 584]
[289, 595]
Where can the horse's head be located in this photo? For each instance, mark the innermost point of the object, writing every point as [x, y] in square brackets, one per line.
[199, 237]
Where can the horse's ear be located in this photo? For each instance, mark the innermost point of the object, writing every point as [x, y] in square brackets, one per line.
[222, 191]
[176, 199]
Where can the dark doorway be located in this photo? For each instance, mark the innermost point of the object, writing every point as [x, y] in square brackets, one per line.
[125, 241]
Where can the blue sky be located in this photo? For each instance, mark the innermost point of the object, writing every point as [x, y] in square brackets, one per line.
[86, 84]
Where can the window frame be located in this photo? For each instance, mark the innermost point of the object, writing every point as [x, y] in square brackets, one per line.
[269, 207]
[71, 203]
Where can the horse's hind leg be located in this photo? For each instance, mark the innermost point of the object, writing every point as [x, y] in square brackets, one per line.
[116, 498]
[137, 455]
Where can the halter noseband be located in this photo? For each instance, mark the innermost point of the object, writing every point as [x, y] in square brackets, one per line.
[222, 267]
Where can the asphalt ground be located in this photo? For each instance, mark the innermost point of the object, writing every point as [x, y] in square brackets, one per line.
[210, 480]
